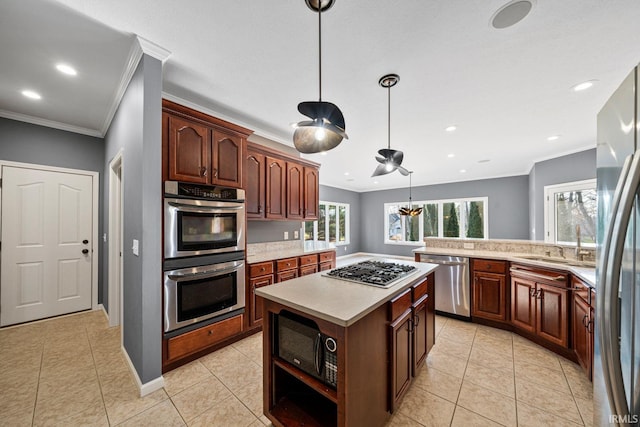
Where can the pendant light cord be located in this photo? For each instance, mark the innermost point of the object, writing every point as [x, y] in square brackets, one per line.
[320, 50]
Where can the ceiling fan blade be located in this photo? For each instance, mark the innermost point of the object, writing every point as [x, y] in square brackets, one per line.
[381, 170]
[323, 110]
[387, 152]
[381, 159]
[402, 170]
[397, 157]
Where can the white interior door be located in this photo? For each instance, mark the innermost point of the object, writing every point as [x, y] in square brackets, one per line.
[46, 266]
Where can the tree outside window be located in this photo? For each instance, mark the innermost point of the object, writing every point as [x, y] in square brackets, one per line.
[332, 224]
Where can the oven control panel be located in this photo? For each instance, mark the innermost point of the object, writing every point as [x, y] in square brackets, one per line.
[198, 191]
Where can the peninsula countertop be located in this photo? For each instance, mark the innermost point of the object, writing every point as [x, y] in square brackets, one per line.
[338, 301]
[588, 274]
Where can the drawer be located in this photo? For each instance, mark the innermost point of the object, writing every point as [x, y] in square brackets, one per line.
[324, 266]
[308, 259]
[261, 269]
[286, 275]
[489, 265]
[327, 256]
[308, 269]
[199, 339]
[399, 305]
[419, 290]
[286, 264]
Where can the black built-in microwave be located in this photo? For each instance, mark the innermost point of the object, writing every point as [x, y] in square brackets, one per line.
[299, 341]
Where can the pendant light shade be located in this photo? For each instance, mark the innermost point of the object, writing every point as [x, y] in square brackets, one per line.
[410, 210]
[390, 160]
[326, 129]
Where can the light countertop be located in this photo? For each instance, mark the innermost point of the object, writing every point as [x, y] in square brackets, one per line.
[588, 274]
[339, 301]
[270, 252]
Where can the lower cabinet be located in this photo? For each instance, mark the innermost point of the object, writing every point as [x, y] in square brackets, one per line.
[286, 269]
[582, 325]
[489, 290]
[540, 303]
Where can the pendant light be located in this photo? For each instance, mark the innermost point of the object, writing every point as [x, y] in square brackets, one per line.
[410, 211]
[326, 129]
[389, 159]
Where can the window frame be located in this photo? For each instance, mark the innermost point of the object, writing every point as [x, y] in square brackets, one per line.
[440, 203]
[347, 221]
[550, 213]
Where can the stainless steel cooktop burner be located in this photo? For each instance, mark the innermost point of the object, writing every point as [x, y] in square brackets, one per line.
[376, 273]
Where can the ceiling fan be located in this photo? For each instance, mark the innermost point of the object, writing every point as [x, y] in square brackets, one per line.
[389, 159]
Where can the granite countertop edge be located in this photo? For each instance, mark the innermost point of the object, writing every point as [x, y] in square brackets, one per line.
[587, 274]
[310, 306]
[272, 256]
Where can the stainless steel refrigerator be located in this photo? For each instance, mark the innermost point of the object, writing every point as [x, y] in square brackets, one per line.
[616, 375]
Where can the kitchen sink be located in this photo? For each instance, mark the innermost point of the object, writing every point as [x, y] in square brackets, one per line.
[563, 261]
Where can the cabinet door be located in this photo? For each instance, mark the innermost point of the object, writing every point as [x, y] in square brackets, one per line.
[552, 314]
[226, 159]
[254, 177]
[420, 333]
[523, 304]
[489, 296]
[286, 275]
[400, 358]
[581, 335]
[275, 188]
[255, 309]
[311, 192]
[295, 189]
[188, 151]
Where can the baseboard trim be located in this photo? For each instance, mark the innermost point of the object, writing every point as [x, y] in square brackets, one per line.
[104, 311]
[146, 388]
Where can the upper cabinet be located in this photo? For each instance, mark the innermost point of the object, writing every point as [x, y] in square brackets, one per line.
[200, 148]
[279, 186]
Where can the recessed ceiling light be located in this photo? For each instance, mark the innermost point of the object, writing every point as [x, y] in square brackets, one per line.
[375, 182]
[583, 86]
[450, 128]
[511, 13]
[323, 153]
[463, 170]
[484, 161]
[346, 173]
[66, 69]
[451, 155]
[553, 137]
[31, 94]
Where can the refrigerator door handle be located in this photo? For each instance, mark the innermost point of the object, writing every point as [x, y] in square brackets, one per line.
[612, 254]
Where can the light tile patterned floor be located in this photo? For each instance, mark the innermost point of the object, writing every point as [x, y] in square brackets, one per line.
[69, 372]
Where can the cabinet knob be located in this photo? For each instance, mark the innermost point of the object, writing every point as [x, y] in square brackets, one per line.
[210, 332]
[85, 251]
[262, 269]
[259, 208]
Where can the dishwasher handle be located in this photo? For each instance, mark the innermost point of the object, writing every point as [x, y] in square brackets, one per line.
[437, 261]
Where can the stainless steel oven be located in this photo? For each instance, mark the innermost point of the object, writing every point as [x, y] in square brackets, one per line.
[196, 294]
[202, 219]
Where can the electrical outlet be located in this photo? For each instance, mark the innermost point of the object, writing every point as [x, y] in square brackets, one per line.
[296, 234]
[286, 235]
[468, 245]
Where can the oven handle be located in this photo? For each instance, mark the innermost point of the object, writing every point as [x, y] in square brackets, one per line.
[202, 208]
[203, 274]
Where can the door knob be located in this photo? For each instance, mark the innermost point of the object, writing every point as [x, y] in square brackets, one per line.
[85, 241]
[85, 251]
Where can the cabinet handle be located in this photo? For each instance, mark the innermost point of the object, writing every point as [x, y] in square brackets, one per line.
[215, 172]
[410, 326]
[259, 208]
[584, 322]
[539, 294]
[417, 320]
[590, 326]
[203, 171]
[532, 292]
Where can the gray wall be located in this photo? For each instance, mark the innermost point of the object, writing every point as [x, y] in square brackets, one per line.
[332, 194]
[29, 143]
[573, 167]
[136, 129]
[508, 209]
[271, 231]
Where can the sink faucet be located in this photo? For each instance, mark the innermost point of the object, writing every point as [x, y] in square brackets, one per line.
[579, 252]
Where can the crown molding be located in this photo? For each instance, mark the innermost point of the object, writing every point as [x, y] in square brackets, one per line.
[50, 123]
[150, 48]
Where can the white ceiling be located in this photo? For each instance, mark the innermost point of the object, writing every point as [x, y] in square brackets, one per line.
[252, 62]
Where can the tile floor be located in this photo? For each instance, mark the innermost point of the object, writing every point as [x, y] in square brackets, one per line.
[69, 372]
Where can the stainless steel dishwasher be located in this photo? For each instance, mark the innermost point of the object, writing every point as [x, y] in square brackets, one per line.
[452, 285]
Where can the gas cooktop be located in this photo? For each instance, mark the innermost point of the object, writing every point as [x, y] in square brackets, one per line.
[375, 273]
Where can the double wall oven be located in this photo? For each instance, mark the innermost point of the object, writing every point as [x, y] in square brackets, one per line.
[204, 266]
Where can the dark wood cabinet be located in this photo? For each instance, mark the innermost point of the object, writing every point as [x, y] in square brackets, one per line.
[489, 290]
[254, 183]
[311, 192]
[259, 275]
[295, 191]
[326, 260]
[400, 357]
[189, 144]
[582, 324]
[286, 269]
[279, 186]
[421, 332]
[275, 188]
[539, 303]
[200, 148]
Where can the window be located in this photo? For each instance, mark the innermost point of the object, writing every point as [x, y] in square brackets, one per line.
[568, 206]
[459, 218]
[332, 224]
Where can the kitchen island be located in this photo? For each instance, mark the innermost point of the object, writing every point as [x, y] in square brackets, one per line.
[381, 336]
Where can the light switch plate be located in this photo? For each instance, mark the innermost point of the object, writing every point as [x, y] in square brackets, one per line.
[296, 234]
[136, 247]
[468, 245]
